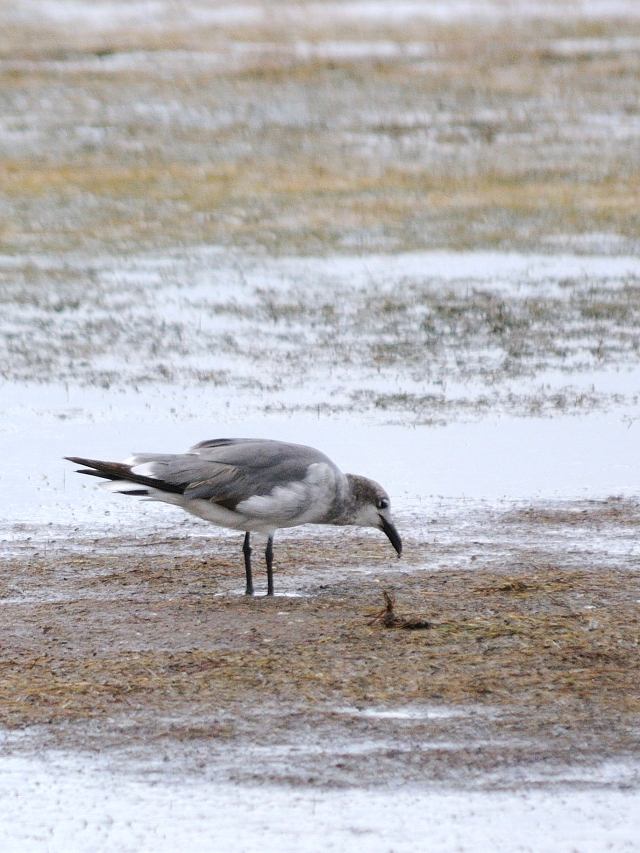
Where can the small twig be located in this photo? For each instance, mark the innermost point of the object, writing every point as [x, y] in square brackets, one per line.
[389, 619]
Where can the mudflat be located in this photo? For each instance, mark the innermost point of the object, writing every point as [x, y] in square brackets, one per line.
[528, 662]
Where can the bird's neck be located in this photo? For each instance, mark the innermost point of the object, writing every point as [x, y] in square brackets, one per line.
[356, 494]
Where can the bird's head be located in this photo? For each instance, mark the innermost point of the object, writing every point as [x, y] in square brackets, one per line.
[372, 508]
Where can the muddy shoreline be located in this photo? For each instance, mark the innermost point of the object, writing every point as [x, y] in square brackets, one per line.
[528, 671]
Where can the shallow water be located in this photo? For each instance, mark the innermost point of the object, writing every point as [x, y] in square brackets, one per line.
[493, 459]
[78, 806]
[416, 338]
[579, 441]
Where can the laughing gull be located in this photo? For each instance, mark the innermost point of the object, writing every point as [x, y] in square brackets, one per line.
[255, 485]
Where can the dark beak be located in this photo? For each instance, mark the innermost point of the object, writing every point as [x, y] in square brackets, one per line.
[392, 535]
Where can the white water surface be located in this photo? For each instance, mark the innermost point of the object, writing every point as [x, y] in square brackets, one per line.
[496, 458]
[65, 805]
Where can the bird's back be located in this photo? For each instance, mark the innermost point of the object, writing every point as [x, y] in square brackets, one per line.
[229, 472]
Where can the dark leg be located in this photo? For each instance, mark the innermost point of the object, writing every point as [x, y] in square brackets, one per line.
[246, 550]
[269, 558]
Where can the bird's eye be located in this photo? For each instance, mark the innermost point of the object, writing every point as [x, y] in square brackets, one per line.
[383, 503]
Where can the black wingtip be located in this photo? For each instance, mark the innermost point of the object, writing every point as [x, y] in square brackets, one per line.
[122, 471]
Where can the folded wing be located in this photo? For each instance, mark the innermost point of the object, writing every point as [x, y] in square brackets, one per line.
[268, 479]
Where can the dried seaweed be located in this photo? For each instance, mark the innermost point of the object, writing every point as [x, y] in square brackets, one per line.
[390, 619]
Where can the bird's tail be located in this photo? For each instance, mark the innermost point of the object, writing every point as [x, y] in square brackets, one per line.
[121, 478]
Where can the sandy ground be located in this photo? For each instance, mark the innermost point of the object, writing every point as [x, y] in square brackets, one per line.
[406, 233]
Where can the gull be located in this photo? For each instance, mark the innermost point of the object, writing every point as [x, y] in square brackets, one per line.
[254, 485]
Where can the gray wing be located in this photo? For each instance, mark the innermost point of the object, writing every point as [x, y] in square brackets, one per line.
[229, 471]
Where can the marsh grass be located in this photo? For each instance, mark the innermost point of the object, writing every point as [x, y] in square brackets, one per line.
[413, 346]
[271, 136]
